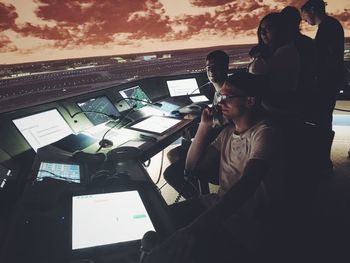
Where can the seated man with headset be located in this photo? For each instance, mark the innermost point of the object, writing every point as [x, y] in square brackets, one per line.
[247, 160]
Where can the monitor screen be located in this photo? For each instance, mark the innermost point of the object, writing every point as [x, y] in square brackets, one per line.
[108, 218]
[200, 98]
[137, 94]
[60, 171]
[182, 87]
[100, 104]
[43, 128]
[155, 124]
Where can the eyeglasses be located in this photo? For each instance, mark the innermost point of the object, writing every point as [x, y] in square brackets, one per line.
[220, 98]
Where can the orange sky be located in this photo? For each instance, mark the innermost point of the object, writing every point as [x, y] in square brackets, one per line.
[34, 30]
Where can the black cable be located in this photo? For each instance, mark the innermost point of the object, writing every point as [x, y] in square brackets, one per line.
[161, 168]
[187, 181]
[160, 188]
[115, 125]
[148, 163]
[144, 101]
[111, 116]
[345, 110]
[205, 84]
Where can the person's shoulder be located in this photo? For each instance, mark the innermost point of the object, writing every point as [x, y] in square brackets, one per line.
[306, 40]
[265, 126]
[332, 23]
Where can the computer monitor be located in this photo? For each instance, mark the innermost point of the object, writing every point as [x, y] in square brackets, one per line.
[108, 218]
[60, 171]
[155, 124]
[133, 96]
[101, 107]
[182, 87]
[43, 128]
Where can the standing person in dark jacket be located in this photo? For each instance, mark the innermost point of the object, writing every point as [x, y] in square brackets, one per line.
[329, 44]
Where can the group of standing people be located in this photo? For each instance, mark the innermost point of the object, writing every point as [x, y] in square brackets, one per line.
[293, 81]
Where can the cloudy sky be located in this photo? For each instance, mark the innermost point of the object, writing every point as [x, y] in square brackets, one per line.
[34, 30]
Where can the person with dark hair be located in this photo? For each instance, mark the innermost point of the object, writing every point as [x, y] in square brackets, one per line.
[216, 65]
[281, 64]
[306, 49]
[248, 161]
[329, 44]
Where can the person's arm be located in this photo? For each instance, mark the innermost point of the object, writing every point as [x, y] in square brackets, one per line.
[201, 141]
[253, 173]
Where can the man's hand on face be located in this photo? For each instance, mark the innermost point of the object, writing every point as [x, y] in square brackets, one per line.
[207, 117]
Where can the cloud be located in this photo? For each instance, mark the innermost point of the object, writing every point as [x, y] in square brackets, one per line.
[6, 45]
[209, 3]
[96, 22]
[233, 19]
[8, 16]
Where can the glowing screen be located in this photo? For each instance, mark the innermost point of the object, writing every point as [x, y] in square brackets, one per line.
[108, 218]
[43, 128]
[182, 87]
[101, 107]
[137, 94]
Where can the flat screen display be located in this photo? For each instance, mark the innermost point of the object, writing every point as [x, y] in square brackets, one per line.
[182, 87]
[43, 128]
[155, 124]
[60, 171]
[133, 95]
[108, 218]
[200, 98]
[100, 104]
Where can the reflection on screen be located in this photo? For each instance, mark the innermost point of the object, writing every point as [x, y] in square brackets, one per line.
[99, 104]
[156, 124]
[181, 87]
[60, 171]
[43, 128]
[135, 93]
[108, 218]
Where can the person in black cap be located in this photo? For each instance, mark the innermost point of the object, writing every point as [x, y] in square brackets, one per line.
[329, 44]
[246, 159]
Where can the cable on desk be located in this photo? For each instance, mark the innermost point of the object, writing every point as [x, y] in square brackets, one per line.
[147, 163]
[161, 168]
[160, 188]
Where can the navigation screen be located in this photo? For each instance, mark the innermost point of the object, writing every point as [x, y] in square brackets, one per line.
[43, 128]
[155, 124]
[108, 218]
[137, 94]
[99, 104]
[182, 87]
[60, 171]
